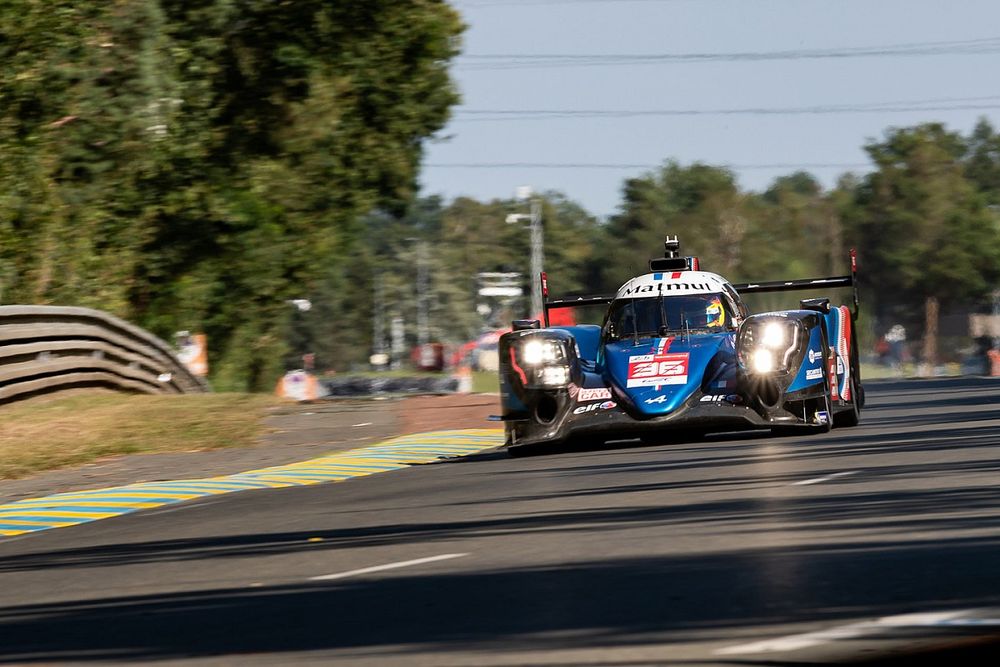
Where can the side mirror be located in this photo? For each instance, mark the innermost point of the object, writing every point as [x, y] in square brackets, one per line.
[821, 305]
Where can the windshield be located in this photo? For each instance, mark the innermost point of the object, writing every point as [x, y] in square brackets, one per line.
[668, 315]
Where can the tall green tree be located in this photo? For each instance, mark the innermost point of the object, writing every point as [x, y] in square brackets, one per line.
[195, 164]
[926, 232]
[701, 204]
[983, 160]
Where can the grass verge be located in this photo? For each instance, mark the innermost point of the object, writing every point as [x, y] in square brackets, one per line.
[43, 435]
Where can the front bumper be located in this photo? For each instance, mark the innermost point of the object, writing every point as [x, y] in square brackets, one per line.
[611, 423]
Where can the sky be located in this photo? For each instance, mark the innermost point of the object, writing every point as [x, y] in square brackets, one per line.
[849, 69]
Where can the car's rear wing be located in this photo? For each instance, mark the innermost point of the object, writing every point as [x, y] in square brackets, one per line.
[808, 283]
[746, 288]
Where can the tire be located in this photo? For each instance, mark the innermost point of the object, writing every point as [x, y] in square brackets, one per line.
[851, 416]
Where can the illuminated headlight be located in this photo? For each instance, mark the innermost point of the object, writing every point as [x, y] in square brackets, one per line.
[763, 361]
[554, 376]
[767, 346]
[537, 352]
[774, 336]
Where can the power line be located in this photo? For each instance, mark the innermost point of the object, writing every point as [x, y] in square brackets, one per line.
[958, 104]
[635, 165]
[980, 46]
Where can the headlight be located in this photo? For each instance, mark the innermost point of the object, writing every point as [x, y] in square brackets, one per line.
[554, 376]
[545, 361]
[763, 361]
[768, 345]
[774, 336]
[537, 352]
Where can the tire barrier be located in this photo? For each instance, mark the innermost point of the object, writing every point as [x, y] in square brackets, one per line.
[46, 349]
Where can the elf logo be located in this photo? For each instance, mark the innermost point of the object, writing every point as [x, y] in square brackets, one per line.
[606, 405]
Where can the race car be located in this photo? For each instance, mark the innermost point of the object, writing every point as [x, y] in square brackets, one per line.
[679, 355]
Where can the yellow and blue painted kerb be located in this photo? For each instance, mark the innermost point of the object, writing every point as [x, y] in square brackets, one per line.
[69, 509]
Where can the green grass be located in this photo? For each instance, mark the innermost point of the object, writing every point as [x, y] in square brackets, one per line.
[485, 382]
[43, 435]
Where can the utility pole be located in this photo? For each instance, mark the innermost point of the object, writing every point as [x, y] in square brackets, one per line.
[537, 246]
[378, 357]
[422, 323]
[537, 257]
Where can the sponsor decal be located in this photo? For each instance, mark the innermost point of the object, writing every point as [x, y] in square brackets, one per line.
[606, 405]
[667, 287]
[822, 417]
[834, 392]
[722, 398]
[814, 374]
[597, 394]
[650, 370]
[814, 356]
[573, 390]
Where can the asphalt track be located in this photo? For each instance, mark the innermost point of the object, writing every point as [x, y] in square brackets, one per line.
[862, 543]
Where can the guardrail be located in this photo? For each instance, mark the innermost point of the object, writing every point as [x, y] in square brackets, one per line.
[45, 349]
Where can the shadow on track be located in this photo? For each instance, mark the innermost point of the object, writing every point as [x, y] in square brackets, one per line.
[611, 602]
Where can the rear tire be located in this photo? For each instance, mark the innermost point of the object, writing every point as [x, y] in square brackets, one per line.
[850, 416]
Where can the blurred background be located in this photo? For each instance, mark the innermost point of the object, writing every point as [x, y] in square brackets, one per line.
[338, 186]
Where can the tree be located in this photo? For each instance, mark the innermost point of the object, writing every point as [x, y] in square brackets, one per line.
[983, 161]
[194, 164]
[701, 204]
[926, 233]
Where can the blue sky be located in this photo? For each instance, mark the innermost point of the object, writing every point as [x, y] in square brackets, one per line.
[748, 141]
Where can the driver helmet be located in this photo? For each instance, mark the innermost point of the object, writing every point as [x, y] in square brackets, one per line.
[715, 314]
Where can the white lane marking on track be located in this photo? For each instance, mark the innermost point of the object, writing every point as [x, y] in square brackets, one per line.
[184, 506]
[387, 566]
[855, 630]
[826, 478]
[363, 424]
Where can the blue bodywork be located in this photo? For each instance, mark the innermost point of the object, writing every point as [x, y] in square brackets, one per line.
[704, 387]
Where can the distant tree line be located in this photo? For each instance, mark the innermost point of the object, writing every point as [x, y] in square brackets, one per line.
[925, 221]
[198, 164]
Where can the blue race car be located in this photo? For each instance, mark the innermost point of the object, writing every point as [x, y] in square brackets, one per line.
[679, 355]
